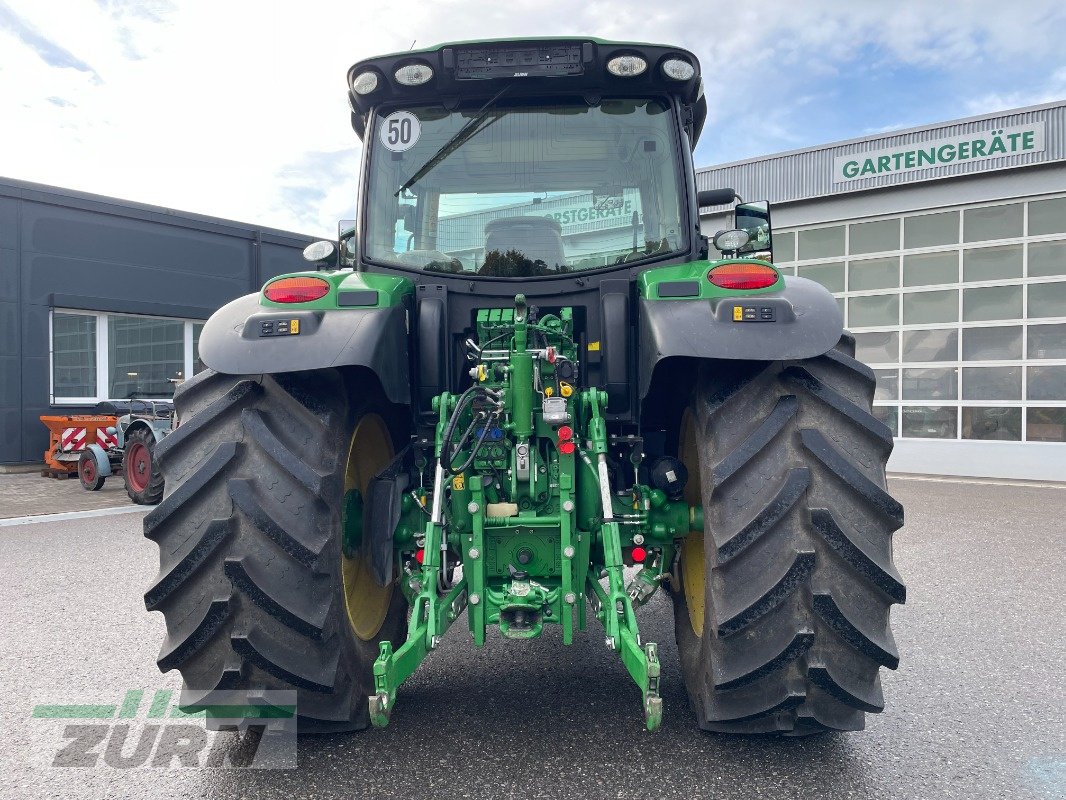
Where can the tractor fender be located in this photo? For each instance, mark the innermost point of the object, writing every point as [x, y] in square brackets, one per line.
[241, 339]
[157, 427]
[99, 455]
[802, 320]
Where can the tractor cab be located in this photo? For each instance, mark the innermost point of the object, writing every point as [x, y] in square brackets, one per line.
[545, 158]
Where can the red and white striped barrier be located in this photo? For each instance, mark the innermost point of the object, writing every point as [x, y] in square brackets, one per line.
[73, 439]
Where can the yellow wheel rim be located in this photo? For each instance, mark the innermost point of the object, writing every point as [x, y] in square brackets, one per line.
[693, 571]
[367, 603]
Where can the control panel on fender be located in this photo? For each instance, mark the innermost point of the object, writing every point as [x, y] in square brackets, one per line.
[754, 313]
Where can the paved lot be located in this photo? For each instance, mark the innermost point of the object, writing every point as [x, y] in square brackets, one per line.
[975, 711]
[26, 494]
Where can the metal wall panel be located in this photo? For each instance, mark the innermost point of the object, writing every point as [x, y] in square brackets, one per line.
[808, 174]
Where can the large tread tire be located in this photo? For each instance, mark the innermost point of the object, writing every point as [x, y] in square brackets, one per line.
[790, 469]
[150, 492]
[250, 546]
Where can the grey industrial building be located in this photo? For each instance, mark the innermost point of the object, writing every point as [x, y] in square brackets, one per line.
[945, 246]
[100, 298]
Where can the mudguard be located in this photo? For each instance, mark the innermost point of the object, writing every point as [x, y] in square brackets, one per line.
[802, 320]
[103, 463]
[157, 427]
[233, 341]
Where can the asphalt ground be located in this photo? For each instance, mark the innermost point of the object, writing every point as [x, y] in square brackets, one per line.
[976, 709]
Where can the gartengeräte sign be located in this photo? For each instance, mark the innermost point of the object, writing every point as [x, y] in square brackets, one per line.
[994, 143]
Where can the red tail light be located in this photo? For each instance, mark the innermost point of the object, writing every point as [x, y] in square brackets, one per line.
[743, 275]
[296, 290]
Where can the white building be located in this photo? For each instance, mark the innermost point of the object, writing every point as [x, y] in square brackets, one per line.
[945, 246]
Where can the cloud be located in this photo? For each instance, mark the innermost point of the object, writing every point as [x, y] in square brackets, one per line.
[1051, 89]
[51, 53]
[239, 110]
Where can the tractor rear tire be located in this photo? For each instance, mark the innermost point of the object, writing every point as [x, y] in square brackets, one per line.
[140, 468]
[782, 607]
[253, 584]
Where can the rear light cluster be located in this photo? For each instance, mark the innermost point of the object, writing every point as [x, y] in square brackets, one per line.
[743, 275]
[566, 440]
[296, 290]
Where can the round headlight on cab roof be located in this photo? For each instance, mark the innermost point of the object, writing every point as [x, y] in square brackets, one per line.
[678, 69]
[730, 241]
[414, 74]
[319, 251]
[627, 66]
[365, 82]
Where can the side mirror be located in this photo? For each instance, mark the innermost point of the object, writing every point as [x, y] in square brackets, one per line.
[715, 197]
[349, 244]
[754, 220]
[409, 214]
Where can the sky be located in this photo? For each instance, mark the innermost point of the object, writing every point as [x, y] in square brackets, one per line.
[238, 109]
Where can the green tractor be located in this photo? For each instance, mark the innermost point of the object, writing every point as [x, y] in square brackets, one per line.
[520, 387]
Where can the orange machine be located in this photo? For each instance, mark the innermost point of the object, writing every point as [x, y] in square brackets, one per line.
[69, 435]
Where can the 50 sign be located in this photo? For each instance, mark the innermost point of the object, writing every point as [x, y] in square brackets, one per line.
[399, 131]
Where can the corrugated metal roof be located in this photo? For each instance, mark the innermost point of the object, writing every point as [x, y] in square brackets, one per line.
[809, 173]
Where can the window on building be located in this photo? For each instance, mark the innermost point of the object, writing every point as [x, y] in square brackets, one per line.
[983, 224]
[873, 310]
[930, 422]
[146, 356]
[1045, 424]
[821, 243]
[1001, 343]
[1046, 341]
[937, 344]
[98, 356]
[1046, 383]
[992, 302]
[992, 383]
[1047, 216]
[877, 348]
[887, 385]
[964, 321]
[940, 383]
[73, 355]
[784, 245]
[992, 423]
[873, 273]
[992, 263]
[197, 363]
[830, 275]
[931, 230]
[1047, 258]
[929, 269]
[923, 308]
[874, 237]
[1047, 299]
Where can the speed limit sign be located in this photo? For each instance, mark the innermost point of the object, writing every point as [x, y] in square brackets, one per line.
[399, 131]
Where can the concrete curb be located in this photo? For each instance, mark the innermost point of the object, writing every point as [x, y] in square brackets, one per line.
[96, 512]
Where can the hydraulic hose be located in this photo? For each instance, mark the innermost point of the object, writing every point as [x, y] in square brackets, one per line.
[447, 451]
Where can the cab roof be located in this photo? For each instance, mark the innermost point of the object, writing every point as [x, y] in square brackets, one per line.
[538, 66]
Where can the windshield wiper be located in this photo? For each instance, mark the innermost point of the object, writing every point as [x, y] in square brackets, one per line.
[468, 131]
